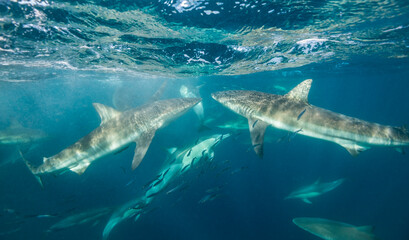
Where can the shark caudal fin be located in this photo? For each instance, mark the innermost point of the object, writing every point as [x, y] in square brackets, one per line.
[32, 169]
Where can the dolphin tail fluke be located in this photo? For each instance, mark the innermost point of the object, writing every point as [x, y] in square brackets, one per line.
[110, 225]
[32, 169]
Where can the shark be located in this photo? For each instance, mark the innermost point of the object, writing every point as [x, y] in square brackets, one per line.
[116, 131]
[16, 134]
[181, 160]
[17, 137]
[333, 230]
[314, 190]
[292, 112]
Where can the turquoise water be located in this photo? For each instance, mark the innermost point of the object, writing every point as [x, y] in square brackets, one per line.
[57, 58]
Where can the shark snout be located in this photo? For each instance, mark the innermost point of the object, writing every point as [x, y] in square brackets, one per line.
[216, 95]
[223, 96]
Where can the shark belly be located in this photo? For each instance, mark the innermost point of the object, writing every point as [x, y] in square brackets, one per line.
[99, 143]
[351, 133]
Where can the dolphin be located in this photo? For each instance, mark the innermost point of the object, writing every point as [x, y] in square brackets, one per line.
[293, 112]
[198, 109]
[117, 130]
[16, 134]
[333, 230]
[202, 150]
[314, 190]
[235, 125]
[80, 218]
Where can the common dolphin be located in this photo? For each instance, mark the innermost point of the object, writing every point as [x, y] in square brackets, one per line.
[198, 109]
[314, 190]
[333, 230]
[117, 130]
[235, 125]
[202, 150]
[293, 113]
[88, 216]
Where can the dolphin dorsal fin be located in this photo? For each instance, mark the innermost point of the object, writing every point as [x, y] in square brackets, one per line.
[300, 92]
[105, 112]
[171, 150]
[368, 229]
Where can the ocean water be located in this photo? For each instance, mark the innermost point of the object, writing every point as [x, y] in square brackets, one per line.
[57, 58]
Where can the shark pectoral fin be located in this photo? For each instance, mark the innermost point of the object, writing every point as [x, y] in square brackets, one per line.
[257, 129]
[400, 150]
[105, 112]
[354, 149]
[306, 200]
[142, 145]
[368, 229]
[300, 92]
[80, 167]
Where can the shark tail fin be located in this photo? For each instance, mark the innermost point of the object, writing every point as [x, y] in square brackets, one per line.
[32, 169]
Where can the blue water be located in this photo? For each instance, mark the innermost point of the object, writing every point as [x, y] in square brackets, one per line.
[57, 58]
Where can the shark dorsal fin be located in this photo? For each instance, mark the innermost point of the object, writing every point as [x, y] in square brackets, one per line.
[15, 124]
[105, 112]
[156, 96]
[318, 181]
[368, 229]
[300, 92]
